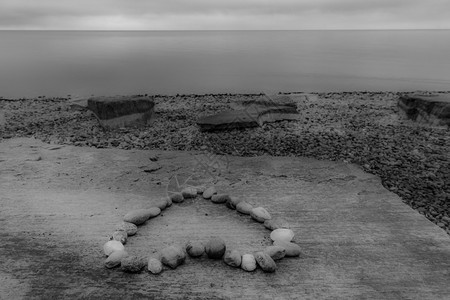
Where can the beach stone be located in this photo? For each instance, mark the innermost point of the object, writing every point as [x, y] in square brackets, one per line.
[276, 223]
[200, 189]
[232, 202]
[275, 252]
[220, 198]
[232, 258]
[154, 265]
[115, 258]
[260, 214]
[253, 114]
[173, 256]
[130, 228]
[121, 111]
[215, 248]
[195, 248]
[189, 192]
[209, 192]
[176, 197]
[169, 201]
[248, 263]
[137, 216]
[153, 212]
[292, 250]
[120, 235]
[282, 235]
[161, 204]
[132, 264]
[429, 109]
[266, 263]
[111, 246]
[244, 208]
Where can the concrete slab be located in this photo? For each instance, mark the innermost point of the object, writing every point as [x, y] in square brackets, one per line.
[359, 241]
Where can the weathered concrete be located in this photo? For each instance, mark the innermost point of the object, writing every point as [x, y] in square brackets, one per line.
[430, 109]
[251, 114]
[120, 111]
[359, 241]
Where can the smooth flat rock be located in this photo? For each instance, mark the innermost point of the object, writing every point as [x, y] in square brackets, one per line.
[120, 111]
[357, 239]
[430, 109]
[252, 114]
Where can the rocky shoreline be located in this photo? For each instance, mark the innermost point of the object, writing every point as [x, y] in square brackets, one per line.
[413, 160]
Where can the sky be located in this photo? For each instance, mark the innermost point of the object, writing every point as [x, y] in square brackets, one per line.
[223, 14]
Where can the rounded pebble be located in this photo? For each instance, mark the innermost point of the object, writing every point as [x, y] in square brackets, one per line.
[232, 202]
[244, 208]
[132, 264]
[189, 192]
[292, 249]
[248, 263]
[215, 248]
[153, 212]
[115, 258]
[209, 192]
[232, 258]
[130, 228]
[282, 235]
[266, 263]
[169, 201]
[111, 246]
[154, 265]
[120, 235]
[161, 204]
[200, 189]
[137, 216]
[173, 256]
[176, 198]
[195, 249]
[276, 252]
[220, 198]
[260, 214]
[276, 223]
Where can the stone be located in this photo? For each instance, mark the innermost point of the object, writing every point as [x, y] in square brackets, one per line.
[232, 202]
[429, 109]
[276, 223]
[292, 250]
[265, 262]
[232, 258]
[173, 256]
[253, 114]
[260, 214]
[111, 246]
[162, 204]
[220, 198]
[215, 248]
[154, 265]
[275, 252]
[120, 235]
[195, 248]
[115, 258]
[176, 197]
[130, 228]
[282, 235]
[169, 201]
[248, 263]
[244, 208]
[189, 192]
[153, 212]
[132, 264]
[121, 111]
[209, 192]
[137, 216]
[200, 189]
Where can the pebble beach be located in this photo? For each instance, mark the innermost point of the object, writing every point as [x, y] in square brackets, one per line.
[365, 128]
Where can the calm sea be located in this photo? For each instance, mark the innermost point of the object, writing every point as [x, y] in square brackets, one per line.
[58, 63]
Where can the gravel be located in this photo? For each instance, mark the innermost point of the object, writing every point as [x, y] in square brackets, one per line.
[413, 160]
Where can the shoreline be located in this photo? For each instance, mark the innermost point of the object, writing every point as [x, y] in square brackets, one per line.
[358, 127]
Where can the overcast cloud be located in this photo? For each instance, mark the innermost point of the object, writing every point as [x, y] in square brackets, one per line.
[223, 14]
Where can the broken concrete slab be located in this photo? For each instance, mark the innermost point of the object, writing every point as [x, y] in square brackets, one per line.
[252, 113]
[429, 109]
[122, 111]
[358, 240]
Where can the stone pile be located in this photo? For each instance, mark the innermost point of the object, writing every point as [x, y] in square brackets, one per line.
[215, 248]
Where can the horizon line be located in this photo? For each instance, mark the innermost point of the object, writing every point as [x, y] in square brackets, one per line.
[212, 30]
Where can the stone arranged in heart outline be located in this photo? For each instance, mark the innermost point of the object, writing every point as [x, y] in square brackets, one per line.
[215, 248]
